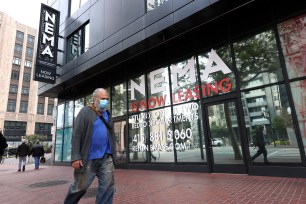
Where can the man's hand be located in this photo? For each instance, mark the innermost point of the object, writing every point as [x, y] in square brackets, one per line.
[77, 164]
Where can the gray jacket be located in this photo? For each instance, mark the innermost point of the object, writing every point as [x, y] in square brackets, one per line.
[81, 136]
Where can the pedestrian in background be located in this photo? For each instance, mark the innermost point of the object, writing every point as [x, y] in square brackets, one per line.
[37, 152]
[3, 145]
[261, 143]
[93, 151]
[23, 151]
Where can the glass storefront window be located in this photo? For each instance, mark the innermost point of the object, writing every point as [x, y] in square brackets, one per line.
[69, 113]
[137, 94]
[78, 105]
[60, 116]
[184, 81]
[120, 133]
[119, 100]
[298, 89]
[257, 60]
[225, 137]
[269, 107]
[216, 72]
[58, 145]
[187, 135]
[78, 43]
[67, 144]
[158, 85]
[138, 132]
[88, 99]
[160, 137]
[292, 35]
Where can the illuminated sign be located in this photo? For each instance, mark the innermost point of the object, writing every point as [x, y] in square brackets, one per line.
[46, 59]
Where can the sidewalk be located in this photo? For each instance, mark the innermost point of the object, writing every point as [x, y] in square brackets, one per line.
[49, 185]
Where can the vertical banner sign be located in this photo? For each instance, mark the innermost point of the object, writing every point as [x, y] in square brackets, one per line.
[46, 58]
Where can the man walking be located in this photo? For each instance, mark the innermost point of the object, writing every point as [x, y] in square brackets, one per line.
[37, 152]
[261, 145]
[93, 151]
[23, 151]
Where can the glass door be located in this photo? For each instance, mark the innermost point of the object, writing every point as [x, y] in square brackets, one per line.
[224, 150]
[120, 133]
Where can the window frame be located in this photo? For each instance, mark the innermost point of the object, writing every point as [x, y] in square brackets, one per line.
[12, 89]
[30, 39]
[16, 61]
[29, 52]
[15, 75]
[19, 35]
[82, 35]
[40, 108]
[11, 106]
[26, 77]
[18, 48]
[23, 107]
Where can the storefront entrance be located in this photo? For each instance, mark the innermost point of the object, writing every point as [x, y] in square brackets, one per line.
[224, 139]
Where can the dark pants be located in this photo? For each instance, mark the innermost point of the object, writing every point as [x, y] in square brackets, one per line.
[261, 150]
[102, 168]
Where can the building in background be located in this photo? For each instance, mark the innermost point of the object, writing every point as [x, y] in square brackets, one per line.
[22, 111]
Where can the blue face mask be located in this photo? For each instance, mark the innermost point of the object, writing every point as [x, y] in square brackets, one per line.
[103, 104]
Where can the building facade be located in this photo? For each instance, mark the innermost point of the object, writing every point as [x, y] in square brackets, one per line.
[22, 111]
[189, 81]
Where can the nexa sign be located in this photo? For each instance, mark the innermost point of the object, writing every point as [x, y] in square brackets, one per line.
[46, 59]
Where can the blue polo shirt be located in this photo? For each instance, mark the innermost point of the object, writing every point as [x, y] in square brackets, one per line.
[99, 139]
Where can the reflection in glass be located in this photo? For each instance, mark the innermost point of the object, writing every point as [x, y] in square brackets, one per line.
[138, 133]
[160, 137]
[88, 99]
[215, 70]
[68, 114]
[58, 145]
[269, 107]
[292, 35]
[137, 94]
[299, 97]
[184, 81]
[152, 4]
[225, 136]
[158, 84]
[187, 135]
[60, 116]
[119, 131]
[67, 144]
[78, 105]
[74, 45]
[257, 60]
[119, 100]
[86, 40]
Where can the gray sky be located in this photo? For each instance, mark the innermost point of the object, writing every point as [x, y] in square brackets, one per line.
[24, 11]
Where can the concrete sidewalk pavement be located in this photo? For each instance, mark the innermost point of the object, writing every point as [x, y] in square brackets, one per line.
[49, 185]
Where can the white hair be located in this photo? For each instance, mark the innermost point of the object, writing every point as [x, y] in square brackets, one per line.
[95, 93]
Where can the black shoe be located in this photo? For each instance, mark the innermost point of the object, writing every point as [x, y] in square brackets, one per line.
[23, 168]
[267, 162]
[19, 170]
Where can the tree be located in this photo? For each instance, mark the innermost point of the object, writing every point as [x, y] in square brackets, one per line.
[33, 138]
[218, 131]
